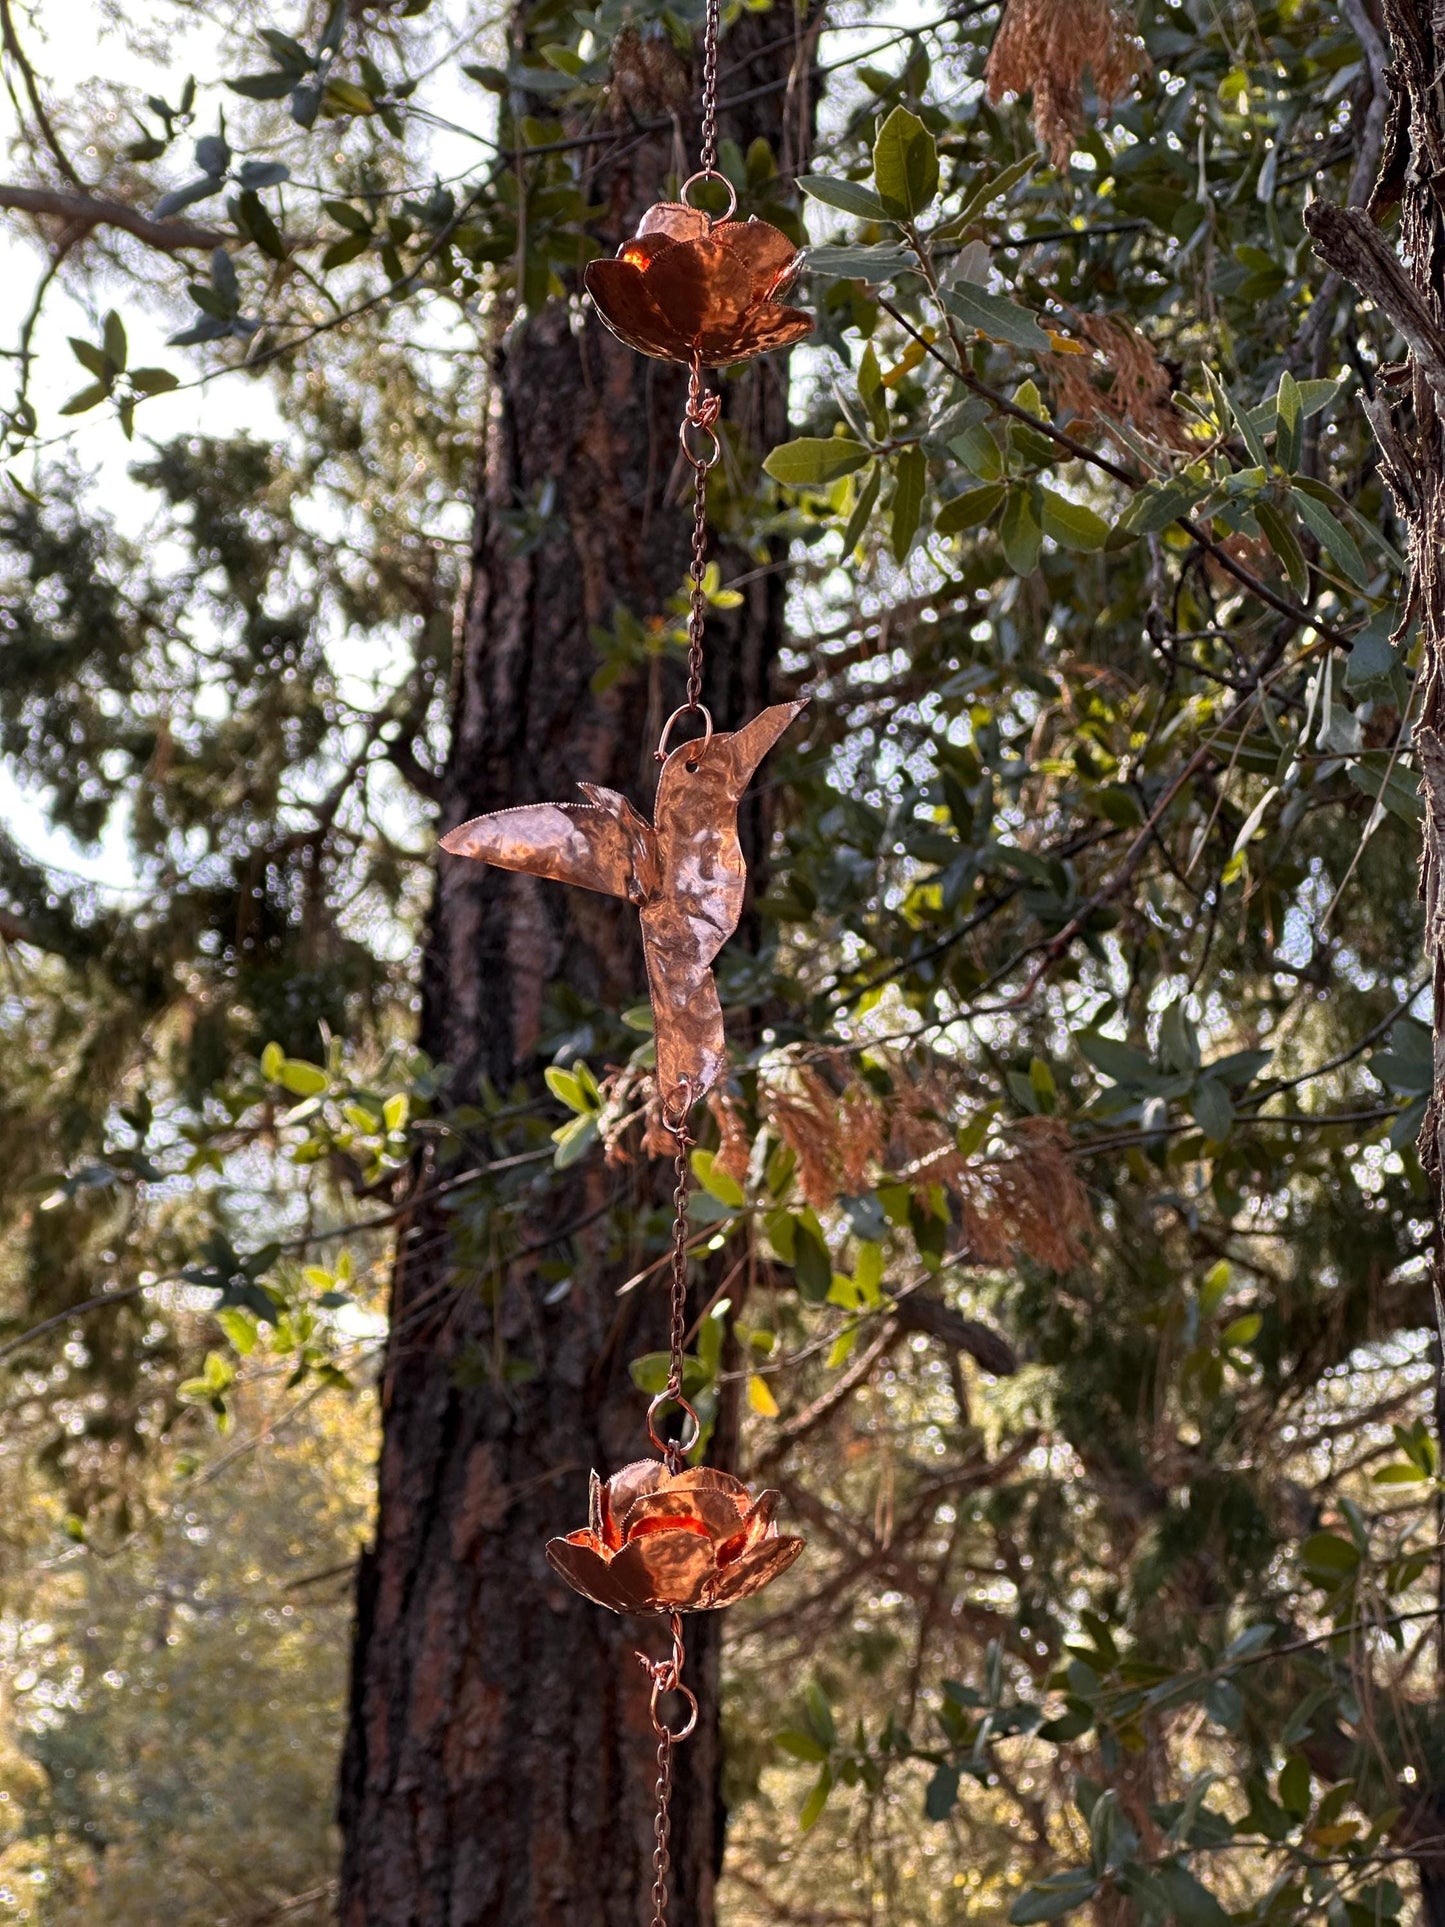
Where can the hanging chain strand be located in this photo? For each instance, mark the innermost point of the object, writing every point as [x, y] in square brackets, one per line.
[701, 448]
[662, 1827]
[666, 1677]
[677, 1333]
[708, 156]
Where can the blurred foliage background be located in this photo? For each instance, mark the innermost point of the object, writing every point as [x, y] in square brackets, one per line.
[1064, 1203]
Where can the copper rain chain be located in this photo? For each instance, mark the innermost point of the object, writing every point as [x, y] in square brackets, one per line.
[663, 1536]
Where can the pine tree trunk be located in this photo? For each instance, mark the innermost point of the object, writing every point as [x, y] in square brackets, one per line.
[1407, 412]
[499, 1766]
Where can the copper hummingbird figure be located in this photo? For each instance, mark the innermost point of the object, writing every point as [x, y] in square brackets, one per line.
[684, 872]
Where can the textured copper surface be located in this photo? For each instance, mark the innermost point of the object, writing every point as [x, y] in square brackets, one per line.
[660, 1541]
[685, 288]
[684, 872]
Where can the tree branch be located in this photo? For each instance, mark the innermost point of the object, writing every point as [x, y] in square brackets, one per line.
[1347, 240]
[86, 211]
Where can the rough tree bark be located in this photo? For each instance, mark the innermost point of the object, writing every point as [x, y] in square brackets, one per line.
[1407, 413]
[499, 1765]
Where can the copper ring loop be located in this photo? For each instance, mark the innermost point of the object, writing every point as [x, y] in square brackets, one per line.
[684, 1444]
[676, 1686]
[710, 174]
[687, 427]
[676, 1120]
[685, 709]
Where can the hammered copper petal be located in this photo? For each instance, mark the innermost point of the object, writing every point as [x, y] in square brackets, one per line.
[765, 251]
[707, 1478]
[704, 291]
[716, 1513]
[752, 1572]
[643, 249]
[678, 1566]
[621, 298]
[676, 220]
[618, 1493]
[598, 1578]
[767, 328]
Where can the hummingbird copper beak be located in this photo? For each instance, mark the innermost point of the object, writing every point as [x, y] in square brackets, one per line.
[748, 746]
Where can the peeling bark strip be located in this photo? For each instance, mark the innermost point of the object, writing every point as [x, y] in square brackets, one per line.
[499, 1766]
[1408, 287]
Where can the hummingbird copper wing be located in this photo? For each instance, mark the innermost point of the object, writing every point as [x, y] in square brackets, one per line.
[571, 842]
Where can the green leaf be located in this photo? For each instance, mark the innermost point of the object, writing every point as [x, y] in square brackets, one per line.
[1054, 1897]
[905, 165]
[995, 316]
[93, 359]
[1282, 539]
[1189, 1900]
[1157, 505]
[253, 218]
[883, 262]
[911, 472]
[812, 1266]
[396, 1111]
[240, 1326]
[1333, 537]
[270, 86]
[87, 398]
[979, 452]
[967, 510]
[862, 510]
[153, 381]
[802, 1746]
[1020, 534]
[1326, 1552]
[1072, 525]
[717, 1184]
[941, 1796]
[302, 1079]
[1212, 1110]
[115, 342]
[348, 98]
[1372, 654]
[1242, 1331]
[820, 1714]
[984, 195]
[1116, 1060]
[1387, 783]
[851, 197]
[1289, 407]
[340, 252]
[1293, 1786]
[816, 1801]
[566, 1087]
[273, 1062]
[814, 460]
[871, 391]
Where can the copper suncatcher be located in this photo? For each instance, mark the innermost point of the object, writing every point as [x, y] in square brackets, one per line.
[664, 1536]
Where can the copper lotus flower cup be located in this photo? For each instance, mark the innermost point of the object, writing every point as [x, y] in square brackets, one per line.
[660, 1541]
[687, 286]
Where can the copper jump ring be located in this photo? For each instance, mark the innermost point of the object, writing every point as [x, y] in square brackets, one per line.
[660, 752]
[687, 429]
[681, 1446]
[661, 1686]
[710, 174]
